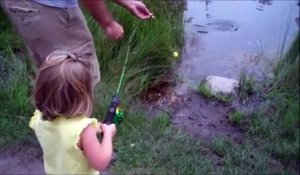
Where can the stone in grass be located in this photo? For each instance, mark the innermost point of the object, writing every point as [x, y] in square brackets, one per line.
[217, 85]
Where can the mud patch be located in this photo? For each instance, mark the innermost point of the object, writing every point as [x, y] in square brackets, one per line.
[25, 160]
[194, 114]
[21, 160]
[204, 119]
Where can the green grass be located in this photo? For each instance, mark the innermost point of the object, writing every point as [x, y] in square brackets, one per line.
[271, 143]
[15, 105]
[9, 39]
[280, 131]
[165, 151]
[202, 89]
[235, 117]
[276, 121]
[246, 86]
[246, 158]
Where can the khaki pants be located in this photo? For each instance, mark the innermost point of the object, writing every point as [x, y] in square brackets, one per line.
[45, 29]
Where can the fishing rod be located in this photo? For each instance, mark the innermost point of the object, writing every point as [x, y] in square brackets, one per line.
[114, 112]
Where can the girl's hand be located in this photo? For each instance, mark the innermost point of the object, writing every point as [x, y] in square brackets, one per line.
[108, 130]
[98, 128]
[114, 31]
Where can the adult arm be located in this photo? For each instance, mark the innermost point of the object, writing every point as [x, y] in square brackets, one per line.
[98, 10]
[137, 8]
[113, 29]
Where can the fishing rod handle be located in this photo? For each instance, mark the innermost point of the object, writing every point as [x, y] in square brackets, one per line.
[111, 112]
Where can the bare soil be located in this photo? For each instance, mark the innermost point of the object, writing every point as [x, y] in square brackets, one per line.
[21, 160]
[192, 113]
[24, 160]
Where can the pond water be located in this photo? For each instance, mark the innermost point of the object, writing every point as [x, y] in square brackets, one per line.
[221, 37]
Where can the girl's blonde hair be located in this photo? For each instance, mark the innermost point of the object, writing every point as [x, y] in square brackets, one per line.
[63, 86]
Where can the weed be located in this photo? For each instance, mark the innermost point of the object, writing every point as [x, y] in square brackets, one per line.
[202, 89]
[277, 120]
[246, 87]
[235, 117]
[221, 145]
[9, 39]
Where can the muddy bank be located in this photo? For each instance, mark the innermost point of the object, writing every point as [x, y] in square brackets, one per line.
[192, 113]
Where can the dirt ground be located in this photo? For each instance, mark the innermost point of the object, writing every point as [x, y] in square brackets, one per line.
[192, 113]
[24, 160]
[188, 111]
[21, 160]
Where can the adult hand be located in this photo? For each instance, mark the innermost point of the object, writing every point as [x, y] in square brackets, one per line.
[137, 8]
[114, 31]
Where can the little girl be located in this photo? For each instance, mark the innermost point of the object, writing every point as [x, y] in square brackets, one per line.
[62, 96]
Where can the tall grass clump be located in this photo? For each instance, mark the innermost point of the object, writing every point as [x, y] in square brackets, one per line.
[9, 40]
[15, 70]
[277, 121]
[150, 58]
[15, 107]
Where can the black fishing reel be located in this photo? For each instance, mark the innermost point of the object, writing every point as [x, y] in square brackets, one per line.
[114, 113]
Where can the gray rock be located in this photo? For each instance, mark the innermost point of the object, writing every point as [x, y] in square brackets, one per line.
[217, 85]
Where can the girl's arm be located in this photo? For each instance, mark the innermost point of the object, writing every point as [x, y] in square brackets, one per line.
[98, 154]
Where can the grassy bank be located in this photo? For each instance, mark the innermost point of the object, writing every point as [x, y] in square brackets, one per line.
[271, 143]
[276, 122]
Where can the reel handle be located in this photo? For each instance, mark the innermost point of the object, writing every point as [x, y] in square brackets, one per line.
[114, 114]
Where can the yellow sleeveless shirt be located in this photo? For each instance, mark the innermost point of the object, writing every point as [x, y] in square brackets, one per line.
[58, 139]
